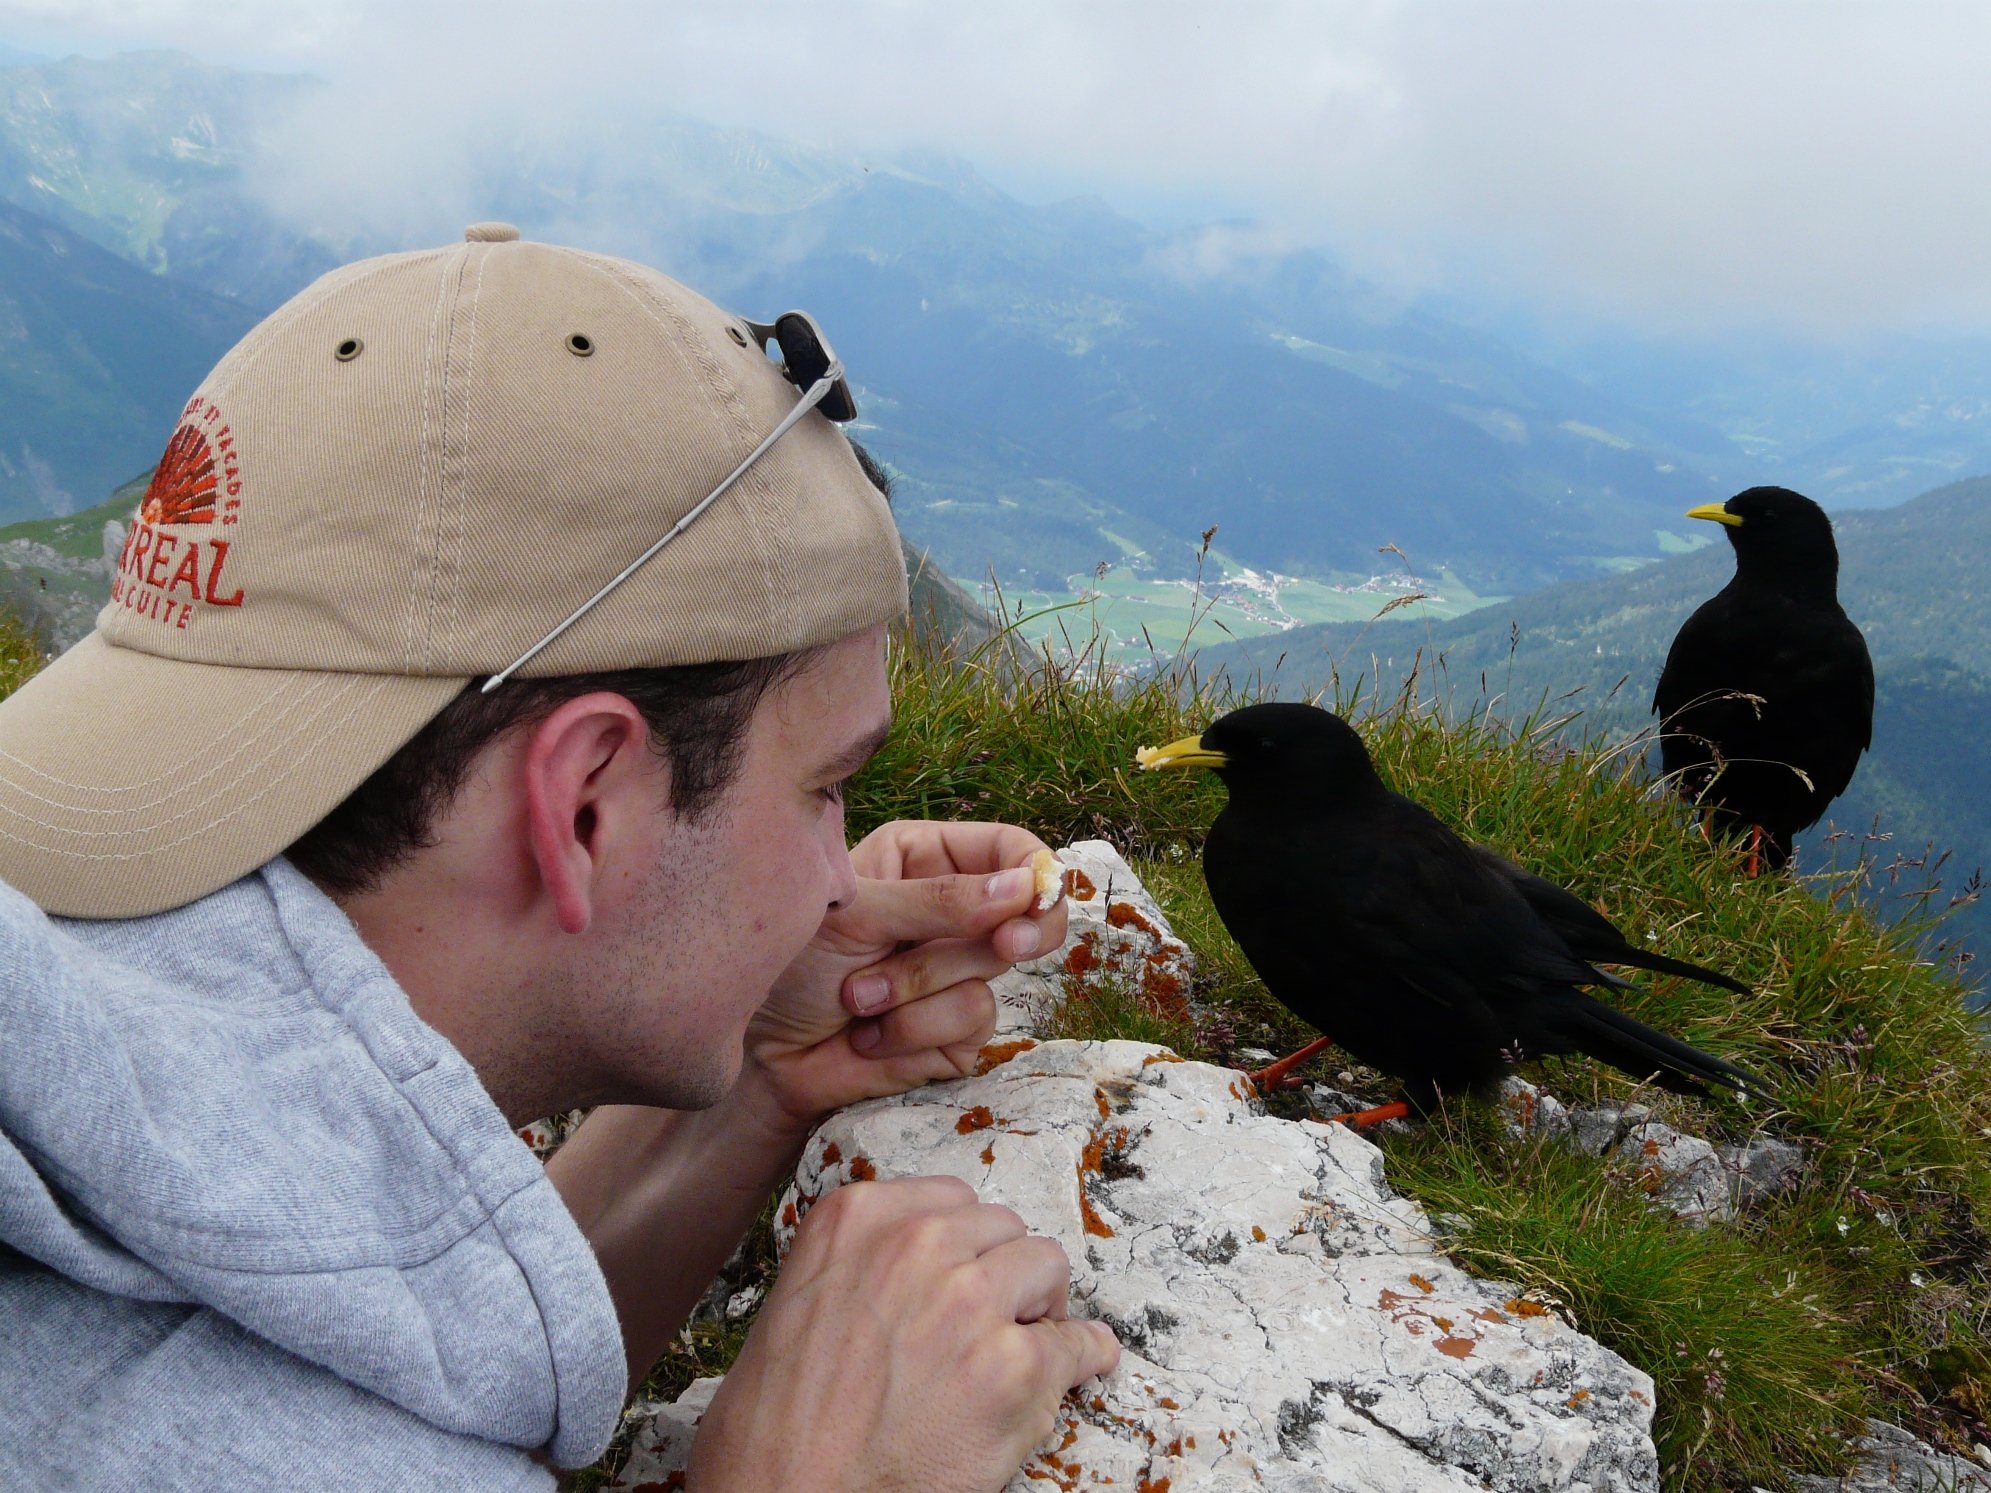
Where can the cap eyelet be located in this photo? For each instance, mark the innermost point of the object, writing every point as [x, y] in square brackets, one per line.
[737, 335]
[346, 351]
[580, 344]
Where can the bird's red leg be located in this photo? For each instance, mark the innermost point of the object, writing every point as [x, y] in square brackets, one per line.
[1755, 850]
[1265, 1080]
[1362, 1119]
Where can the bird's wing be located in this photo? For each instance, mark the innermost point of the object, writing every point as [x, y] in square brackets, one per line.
[1680, 681]
[1469, 917]
[1591, 936]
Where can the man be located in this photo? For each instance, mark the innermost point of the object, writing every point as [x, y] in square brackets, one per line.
[539, 616]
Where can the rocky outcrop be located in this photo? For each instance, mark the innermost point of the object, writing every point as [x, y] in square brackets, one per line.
[1287, 1321]
[1889, 1460]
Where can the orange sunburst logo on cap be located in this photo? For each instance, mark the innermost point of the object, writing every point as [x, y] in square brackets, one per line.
[182, 489]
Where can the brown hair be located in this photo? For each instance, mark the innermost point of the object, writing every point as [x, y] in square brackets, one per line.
[698, 716]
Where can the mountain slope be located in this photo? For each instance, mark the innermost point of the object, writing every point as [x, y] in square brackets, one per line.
[96, 359]
[1057, 385]
[144, 154]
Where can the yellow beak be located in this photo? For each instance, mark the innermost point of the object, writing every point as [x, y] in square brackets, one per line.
[1188, 752]
[1716, 514]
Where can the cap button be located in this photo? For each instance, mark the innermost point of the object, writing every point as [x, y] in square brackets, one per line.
[490, 233]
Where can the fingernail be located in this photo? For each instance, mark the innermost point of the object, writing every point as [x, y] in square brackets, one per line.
[1027, 940]
[1007, 884]
[865, 1035]
[869, 993]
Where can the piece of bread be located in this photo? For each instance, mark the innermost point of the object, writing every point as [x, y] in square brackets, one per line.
[1050, 879]
[1144, 756]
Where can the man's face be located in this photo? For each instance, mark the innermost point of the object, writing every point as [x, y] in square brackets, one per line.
[732, 897]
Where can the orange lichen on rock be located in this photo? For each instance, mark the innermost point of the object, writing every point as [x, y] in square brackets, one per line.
[1096, 1226]
[998, 1053]
[1577, 1399]
[988, 1154]
[1412, 1316]
[978, 1118]
[832, 1153]
[1257, 1234]
[788, 1218]
[1126, 915]
[1159, 1057]
[1521, 1306]
[861, 1170]
[1159, 1485]
[1161, 987]
[1422, 1284]
[1081, 958]
[1079, 886]
[1091, 1162]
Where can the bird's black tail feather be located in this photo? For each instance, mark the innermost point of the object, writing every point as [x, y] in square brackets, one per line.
[1636, 1049]
[1639, 958]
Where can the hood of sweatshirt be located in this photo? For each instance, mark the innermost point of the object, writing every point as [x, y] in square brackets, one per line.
[233, 1105]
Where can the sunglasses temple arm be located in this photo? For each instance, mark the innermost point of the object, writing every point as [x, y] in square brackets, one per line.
[809, 401]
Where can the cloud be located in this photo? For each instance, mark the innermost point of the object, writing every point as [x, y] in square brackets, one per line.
[1808, 164]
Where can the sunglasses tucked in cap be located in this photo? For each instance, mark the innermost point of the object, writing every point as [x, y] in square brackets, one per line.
[398, 482]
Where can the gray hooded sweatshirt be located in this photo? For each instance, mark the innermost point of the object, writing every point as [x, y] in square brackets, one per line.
[262, 1227]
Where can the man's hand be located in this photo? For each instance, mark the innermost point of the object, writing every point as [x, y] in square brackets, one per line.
[893, 990]
[916, 1339]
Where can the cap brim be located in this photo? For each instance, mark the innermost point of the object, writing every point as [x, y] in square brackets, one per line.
[131, 783]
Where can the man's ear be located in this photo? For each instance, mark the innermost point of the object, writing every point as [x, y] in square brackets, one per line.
[592, 783]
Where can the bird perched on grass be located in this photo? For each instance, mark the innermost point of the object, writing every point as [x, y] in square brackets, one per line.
[1430, 958]
[1766, 701]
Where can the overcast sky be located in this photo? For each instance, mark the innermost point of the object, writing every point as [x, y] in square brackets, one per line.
[1814, 165]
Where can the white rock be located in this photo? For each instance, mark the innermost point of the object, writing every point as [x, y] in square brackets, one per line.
[1287, 1322]
[1529, 1111]
[1763, 1168]
[1114, 930]
[662, 1446]
[1680, 1173]
[1890, 1460]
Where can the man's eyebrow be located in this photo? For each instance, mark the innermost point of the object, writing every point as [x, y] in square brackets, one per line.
[859, 752]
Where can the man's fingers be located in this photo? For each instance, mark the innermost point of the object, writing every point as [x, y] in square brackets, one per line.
[874, 1205]
[1075, 1350]
[909, 848]
[935, 906]
[962, 1016]
[912, 974]
[1028, 1277]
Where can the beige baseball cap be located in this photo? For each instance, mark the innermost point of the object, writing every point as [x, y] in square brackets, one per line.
[401, 480]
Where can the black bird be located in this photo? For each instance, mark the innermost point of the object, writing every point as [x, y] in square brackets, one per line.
[1429, 958]
[1766, 701]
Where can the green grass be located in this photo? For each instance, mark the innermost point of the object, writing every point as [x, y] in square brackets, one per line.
[1864, 1293]
[20, 655]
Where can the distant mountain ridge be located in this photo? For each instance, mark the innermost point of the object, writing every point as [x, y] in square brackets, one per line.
[97, 356]
[1056, 385]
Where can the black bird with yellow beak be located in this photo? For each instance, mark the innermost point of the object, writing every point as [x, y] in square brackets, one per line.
[1434, 960]
[1766, 701]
